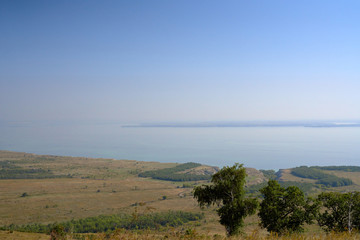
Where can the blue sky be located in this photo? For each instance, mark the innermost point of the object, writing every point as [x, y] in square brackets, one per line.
[143, 61]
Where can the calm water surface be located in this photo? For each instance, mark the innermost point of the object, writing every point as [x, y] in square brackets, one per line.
[259, 147]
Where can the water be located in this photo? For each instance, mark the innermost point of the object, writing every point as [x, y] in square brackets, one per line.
[259, 147]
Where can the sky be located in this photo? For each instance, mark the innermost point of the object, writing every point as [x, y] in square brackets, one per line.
[144, 61]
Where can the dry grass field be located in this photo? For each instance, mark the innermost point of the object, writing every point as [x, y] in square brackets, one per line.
[108, 186]
[287, 176]
[100, 186]
[6, 235]
[178, 235]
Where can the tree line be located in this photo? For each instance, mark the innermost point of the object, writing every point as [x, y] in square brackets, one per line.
[175, 173]
[110, 223]
[340, 168]
[281, 209]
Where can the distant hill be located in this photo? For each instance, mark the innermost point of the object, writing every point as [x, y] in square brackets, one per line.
[316, 179]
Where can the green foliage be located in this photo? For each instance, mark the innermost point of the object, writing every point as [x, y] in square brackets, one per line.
[269, 174]
[227, 192]
[187, 185]
[285, 209]
[110, 223]
[340, 168]
[322, 178]
[341, 213]
[173, 174]
[57, 233]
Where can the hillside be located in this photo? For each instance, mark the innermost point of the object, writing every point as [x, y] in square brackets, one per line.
[329, 178]
[46, 189]
[82, 187]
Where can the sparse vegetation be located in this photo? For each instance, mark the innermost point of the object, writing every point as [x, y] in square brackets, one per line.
[8, 170]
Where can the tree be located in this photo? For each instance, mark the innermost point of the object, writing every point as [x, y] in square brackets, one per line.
[227, 192]
[285, 209]
[342, 211]
[25, 194]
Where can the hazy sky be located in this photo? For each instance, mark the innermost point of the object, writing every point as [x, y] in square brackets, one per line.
[141, 61]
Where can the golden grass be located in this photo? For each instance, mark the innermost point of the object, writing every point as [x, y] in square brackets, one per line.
[94, 168]
[52, 200]
[100, 186]
[354, 176]
[6, 235]
[287, 176]
[188, 234]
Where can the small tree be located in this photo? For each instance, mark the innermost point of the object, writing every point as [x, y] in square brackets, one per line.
[25, 194]
[58, 233]
[285, 209]
[227, 192]
[342, 211]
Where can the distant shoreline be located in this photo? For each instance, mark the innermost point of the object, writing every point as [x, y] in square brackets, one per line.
[246, 124]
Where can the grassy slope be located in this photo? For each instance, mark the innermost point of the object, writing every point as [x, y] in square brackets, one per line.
[6, 235]
[100, 186]
[103, 186]
[354, 176]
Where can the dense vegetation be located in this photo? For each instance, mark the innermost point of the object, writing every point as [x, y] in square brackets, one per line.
[340, 168]
[342, 211]
[9, 170]
[174, 174]
[325, 179]
[110, 223]
[285, 209]
[269, 174]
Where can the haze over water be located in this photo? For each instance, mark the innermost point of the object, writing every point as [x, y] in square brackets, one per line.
[259, 147]
[66, 65]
